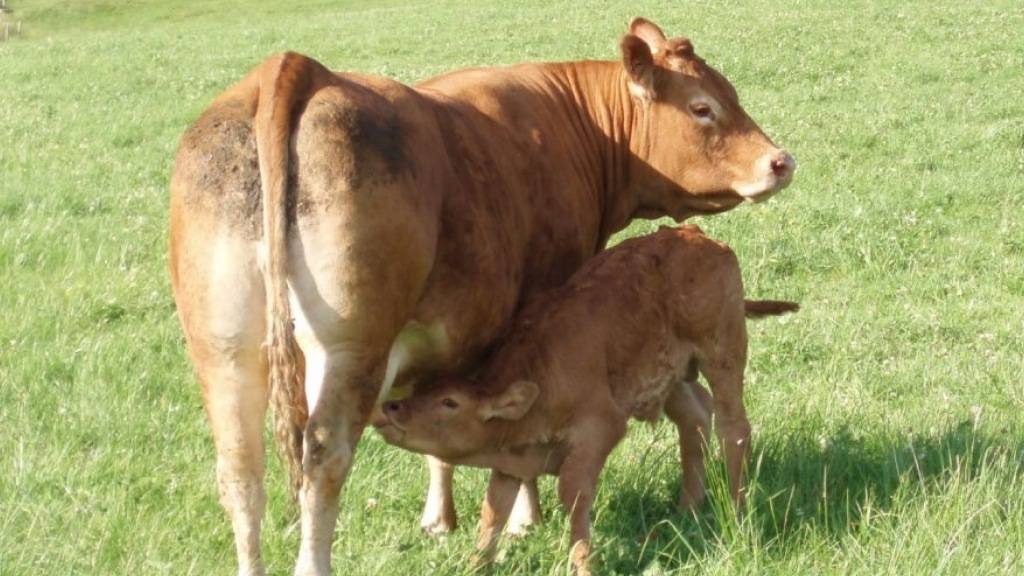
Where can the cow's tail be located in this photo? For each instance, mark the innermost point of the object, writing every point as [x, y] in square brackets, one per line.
[284, 82]
[757, 309]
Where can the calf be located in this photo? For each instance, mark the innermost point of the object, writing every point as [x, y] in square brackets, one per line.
[625, 337]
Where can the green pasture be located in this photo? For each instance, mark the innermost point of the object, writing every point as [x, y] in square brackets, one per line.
[888, 414]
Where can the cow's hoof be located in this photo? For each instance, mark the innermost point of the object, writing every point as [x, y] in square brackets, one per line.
[306, 570]
[308, 565]
[518, 530]
[437, 526]
[526, 512]
[520, 524]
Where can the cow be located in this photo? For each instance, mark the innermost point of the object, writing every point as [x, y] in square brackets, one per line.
[334, 235]
[624, 338]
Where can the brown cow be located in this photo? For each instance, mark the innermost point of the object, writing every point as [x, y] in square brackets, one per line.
[625, 337]
[333, 235]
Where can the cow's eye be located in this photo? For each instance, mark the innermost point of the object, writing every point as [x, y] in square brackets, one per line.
[449, 403]
[702, 110]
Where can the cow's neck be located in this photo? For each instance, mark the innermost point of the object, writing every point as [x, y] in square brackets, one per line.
[608, 131]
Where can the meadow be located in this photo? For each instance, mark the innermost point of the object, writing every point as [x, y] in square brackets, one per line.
[888, 435]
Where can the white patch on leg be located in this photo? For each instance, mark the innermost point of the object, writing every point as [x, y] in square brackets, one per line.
[525, 512]
[439, 511]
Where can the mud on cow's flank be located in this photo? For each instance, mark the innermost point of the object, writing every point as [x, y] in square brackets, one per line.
[224, 175]
[376, 141]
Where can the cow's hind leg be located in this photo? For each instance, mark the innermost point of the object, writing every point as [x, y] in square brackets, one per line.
[439, 511]
[439, 515]
[345, 357]
[235, 395]
[220, 297]
[349, 304]
[526, 513]
[359, 254]
[341, 385]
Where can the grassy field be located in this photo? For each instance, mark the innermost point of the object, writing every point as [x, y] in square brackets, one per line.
[888, 429]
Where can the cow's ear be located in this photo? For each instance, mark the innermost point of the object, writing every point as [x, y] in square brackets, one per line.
[512, 404]
[639, 64]
[649, 32]
[679, 48]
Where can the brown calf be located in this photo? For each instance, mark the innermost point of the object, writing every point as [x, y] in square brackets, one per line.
[624, 338]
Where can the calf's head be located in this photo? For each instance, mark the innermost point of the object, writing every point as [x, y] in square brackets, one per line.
[705, 154]
[453, 418]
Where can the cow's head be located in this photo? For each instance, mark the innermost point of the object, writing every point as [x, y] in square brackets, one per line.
[454, 418]
[707, 154]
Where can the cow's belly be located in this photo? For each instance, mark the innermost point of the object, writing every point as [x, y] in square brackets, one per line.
[445, 339]
[417, 349]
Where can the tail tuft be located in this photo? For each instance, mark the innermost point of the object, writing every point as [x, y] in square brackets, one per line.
[757, 309]
[288, 398]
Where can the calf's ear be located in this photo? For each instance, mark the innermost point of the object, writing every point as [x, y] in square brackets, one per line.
[639, 64]
[513, 403]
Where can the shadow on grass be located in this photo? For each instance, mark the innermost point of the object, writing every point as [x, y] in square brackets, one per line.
[800, 483]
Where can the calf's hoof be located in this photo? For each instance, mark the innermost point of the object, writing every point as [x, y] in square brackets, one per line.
[579, 556]
[689, 504]
[481, 562]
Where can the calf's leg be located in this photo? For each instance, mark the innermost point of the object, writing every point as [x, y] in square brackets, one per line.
[501, 495]
[689, 407]
[723, 367]
[577, 483]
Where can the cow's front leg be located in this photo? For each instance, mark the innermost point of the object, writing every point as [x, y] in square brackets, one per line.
[439, 512]
[341, 388]
[526, 512]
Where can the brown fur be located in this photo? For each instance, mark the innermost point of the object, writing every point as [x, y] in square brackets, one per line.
[390, 210]
[622, 339]
[756, 309]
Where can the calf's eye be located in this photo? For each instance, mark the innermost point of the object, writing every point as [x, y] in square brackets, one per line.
[449, 403]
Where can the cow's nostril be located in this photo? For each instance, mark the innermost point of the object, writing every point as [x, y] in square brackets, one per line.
[782, 164]
[391, 406]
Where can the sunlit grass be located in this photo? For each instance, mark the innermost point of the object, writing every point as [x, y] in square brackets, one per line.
[888, 436]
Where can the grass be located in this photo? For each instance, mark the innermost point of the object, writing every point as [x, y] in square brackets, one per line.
[888, 435]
